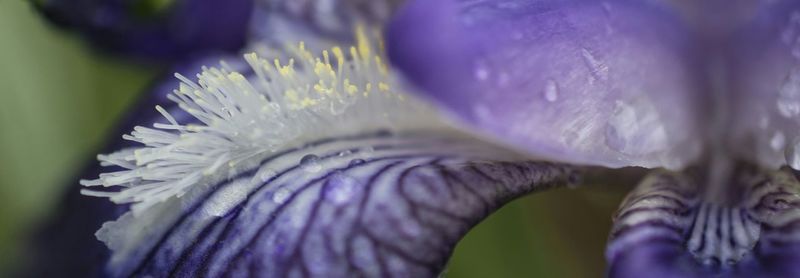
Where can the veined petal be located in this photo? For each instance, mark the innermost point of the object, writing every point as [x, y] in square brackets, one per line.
[157, 31]
[315, 166]
[597, 82]
[668, 228]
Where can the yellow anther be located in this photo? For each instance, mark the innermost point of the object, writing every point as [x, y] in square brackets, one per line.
[337, 52]
[354, 53]
[364, 48]
[326, 57]
[236, 77]
[383, 86]
[381, 66]
[350, 88]
[291, 95]
[306, 102]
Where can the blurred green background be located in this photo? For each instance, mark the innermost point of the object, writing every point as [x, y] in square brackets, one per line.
[59, 100]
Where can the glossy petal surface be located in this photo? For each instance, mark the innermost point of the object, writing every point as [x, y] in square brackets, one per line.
[765, 84]
[605, 83]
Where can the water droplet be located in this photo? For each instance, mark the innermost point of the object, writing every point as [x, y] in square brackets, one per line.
[345, 153]
[788, 102]
[356, 162]
[778, 141]
[598, 68]
[281, 195]
[792, 155]
[340, 188]
[310, 163]
[481, 73]
[635, 128]
[788, 108]
[790, 35]
[551, 90]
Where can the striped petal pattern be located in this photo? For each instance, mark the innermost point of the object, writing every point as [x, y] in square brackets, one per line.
[373, 205]
[667, 228]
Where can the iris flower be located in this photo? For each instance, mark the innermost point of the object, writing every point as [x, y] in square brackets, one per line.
[299, 155]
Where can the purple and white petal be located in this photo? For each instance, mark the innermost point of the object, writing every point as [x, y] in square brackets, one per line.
[315, 166]
[670, 227]
[606, 83]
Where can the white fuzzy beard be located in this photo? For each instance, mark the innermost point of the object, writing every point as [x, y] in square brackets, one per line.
[242, 121]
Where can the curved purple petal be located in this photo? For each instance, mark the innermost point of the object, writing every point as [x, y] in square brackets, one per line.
[765, 83]
[181, 30]
[379, 205]
[667, 228]
[606, 83]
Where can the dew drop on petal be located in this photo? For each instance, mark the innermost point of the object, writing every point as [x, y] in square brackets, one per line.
[551, 90]
[341, 188]
[310, 163]
[281, 195]
[792, 154]
[356, 162]
[778, 141]
[790, 35]
[788, 101]
[481, 72]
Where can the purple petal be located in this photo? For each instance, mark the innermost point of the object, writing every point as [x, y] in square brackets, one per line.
[606, 83]
[185, 29]
[363, 182]
[765, 82]
[667, 228]
[366, 210]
